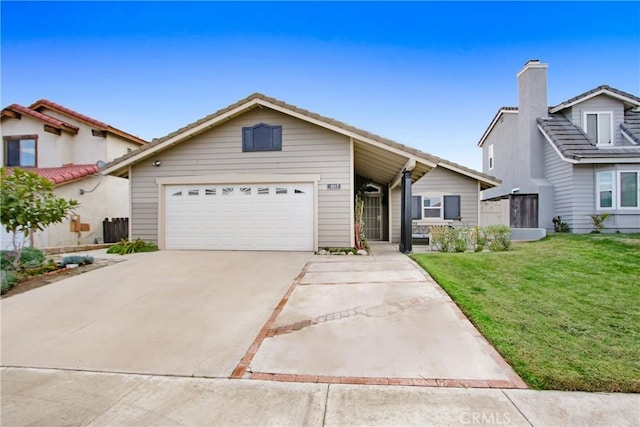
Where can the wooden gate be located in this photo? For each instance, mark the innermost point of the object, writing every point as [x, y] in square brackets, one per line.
[115, 229]
[524, 210]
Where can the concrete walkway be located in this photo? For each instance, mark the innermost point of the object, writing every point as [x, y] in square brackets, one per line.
[56, 398]
[375, 320]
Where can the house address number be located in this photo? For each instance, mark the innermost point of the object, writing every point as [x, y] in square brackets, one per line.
[333, 186]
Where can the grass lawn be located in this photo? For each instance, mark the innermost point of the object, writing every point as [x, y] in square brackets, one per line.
[564, 311]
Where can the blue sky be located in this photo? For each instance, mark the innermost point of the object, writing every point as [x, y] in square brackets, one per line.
[427, 74]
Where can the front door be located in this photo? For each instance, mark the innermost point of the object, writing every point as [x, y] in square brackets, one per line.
[372, 217]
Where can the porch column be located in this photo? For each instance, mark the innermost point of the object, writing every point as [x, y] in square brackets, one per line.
[406, 226]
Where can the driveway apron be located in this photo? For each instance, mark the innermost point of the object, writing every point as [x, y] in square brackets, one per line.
[375, 320]
[163, 313]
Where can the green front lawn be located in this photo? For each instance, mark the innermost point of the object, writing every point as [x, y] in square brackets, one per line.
[564, 311]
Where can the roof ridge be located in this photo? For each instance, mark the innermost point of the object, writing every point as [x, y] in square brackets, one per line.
[38, 115]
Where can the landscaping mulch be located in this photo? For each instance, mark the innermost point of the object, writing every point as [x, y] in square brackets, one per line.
[55, 276]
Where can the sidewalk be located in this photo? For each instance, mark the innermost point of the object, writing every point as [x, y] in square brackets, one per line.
[57, 397]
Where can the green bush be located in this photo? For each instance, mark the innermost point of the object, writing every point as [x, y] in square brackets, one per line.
[449, 239]
[76, 259]
[478, 238]
[128, 247]
[499, 237]
[9, 280]
[30, 257]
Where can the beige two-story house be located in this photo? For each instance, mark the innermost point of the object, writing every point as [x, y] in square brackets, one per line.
[65, 146]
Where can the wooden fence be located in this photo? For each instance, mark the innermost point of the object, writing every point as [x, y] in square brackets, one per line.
[115, 229]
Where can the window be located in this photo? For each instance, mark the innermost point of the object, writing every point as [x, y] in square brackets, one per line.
[262, 137]
[490, 157]
[435, 207]
[629, 189]
[599, 127]
[605, 190]
[618, 190]
[431, 207]
[20, 150]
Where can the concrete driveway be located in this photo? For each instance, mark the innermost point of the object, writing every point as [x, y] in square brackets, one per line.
[164, 313]
[375, 320]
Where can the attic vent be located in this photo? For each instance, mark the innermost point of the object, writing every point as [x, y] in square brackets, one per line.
[99, 133]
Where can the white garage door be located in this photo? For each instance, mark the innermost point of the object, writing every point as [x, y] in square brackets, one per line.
[239, 217]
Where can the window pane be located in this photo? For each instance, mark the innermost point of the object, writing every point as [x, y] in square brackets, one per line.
[592, 127]
[604, 128]
[432, 202]
[431, 213]
[28, 152]
[606, 200]
[13, 153]
[605, 179]
[628, 189]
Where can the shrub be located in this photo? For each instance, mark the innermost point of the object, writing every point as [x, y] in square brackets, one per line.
[76, 259]
[7, 260]
[29, 257]
[478, 238]
[449, 239]
[128, 247]
[559, 226]
[598, 221]
[9, 280]
[499, 237]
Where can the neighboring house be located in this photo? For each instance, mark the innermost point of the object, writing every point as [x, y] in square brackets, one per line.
[572, 160]
[265, 175]
[64, 146]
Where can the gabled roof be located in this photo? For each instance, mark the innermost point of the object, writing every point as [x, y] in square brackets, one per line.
[66, 173]
[15, 110]
[260, 100]
[629, 99]
[501, 111]
[573, 144]
[42, 104]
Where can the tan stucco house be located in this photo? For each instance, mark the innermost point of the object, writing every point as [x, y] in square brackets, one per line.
[64, 146]
[262, 174]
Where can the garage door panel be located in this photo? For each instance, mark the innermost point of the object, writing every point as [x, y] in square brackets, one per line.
[240, 217]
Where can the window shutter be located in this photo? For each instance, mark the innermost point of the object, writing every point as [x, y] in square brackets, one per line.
[452, 208]
[247, 139]
[416, 207]
[276, 138]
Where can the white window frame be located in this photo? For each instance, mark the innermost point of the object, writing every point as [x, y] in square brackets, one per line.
[613, 190]
[423, 207]
[490, 157]
[619, 184]
[598, 113]
[616, 197]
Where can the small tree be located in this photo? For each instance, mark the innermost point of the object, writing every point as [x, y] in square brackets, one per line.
[28, 204]
[598, 221]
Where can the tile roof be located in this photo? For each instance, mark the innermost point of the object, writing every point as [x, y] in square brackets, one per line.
[572, 142]
[602, 88]
[631, 125]
[52, 121]
[93, 122]
[66, 173]
[327, 120]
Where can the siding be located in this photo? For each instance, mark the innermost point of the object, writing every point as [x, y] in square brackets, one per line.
[601, 103]
[306, 149]
[584, 198]
[396, 199]
[440, 181]
[437, 182]
[560, 174]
